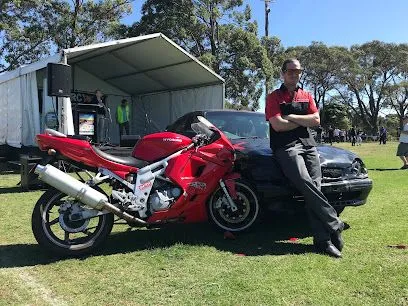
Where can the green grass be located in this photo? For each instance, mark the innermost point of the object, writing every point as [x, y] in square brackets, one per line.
[194, 265]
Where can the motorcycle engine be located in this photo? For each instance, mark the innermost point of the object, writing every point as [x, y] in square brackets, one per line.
[163, 194]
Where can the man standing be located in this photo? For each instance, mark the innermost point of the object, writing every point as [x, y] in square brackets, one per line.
[123, 117]
[290, 112]
[330, 132]
[383, 135]
[402, 150]
[336, 134]
[102, 115]
[353, 136]
[319, 131]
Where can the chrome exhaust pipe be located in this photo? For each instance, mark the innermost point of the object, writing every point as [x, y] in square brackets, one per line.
[82, 192]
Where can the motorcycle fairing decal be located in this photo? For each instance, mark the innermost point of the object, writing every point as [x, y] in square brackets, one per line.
[145, 185]
[198, 185]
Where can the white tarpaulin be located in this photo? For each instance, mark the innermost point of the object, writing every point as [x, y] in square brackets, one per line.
[29, 105]
[155, 112]
[19, 109]
[19, 105]
[10, 97]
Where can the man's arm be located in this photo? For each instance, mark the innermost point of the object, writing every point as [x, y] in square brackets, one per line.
[280, 124]
[309, 120]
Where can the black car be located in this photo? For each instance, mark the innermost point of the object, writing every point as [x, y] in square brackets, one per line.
[345, 180]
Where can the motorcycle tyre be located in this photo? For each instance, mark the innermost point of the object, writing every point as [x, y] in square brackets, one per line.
[225, 227]
[44, 241]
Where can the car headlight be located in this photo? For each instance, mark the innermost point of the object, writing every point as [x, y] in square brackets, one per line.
[357, 168]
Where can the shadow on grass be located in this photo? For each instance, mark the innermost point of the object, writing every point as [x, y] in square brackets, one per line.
[15, 189]
[18, 189]
[270, 237]
[6, 169]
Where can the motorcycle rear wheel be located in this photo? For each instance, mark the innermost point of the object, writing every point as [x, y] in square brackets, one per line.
[72, 238]
[247, 212]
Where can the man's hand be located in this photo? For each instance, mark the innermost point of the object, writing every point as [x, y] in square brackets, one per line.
[304, 120]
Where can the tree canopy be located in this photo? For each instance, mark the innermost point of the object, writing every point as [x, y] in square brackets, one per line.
[33, 29]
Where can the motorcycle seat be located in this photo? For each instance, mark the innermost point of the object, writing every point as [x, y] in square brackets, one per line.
[127, 160]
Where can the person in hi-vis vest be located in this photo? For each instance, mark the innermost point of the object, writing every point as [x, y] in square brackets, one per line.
[123, 117]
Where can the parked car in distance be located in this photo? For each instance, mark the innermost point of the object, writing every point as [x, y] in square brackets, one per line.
[345, 180]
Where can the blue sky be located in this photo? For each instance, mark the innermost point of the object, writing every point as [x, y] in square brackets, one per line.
[333, 22]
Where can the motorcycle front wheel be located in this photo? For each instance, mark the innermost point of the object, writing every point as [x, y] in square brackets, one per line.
[56, 232]
[223, 216]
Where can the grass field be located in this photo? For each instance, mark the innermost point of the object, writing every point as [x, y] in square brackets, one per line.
[194, 265]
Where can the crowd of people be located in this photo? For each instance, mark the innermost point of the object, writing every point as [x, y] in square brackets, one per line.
[330, 135]
[353, 135]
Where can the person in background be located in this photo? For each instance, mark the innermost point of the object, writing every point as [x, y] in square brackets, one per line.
[353, 136]
[330, 133]
[336, 134]
[342, 135]
[383, 135]
[102, 113]
[359, 138]
[402, 150]
[319, 131]
[123, 117]
[291, 112]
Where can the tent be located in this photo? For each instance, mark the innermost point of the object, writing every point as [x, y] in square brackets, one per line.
[161, 80]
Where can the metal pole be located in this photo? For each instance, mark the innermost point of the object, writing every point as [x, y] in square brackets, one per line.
[267, 10]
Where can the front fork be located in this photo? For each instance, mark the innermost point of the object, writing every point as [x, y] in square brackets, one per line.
[229, 188]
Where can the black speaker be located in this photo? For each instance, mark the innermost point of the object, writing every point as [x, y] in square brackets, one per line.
[59, 80]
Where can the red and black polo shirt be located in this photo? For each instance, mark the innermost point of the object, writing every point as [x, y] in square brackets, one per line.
[280, 103]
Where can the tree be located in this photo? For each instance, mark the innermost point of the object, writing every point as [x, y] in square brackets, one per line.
[32, 29]
[218, 34]
[396, 93]
[367, 70]
[24, 34]
[274, 51]
[87, 22]
[336, 115]
[320, 64]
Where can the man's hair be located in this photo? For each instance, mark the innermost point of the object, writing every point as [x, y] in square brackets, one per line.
[286, 62]
[96, 90]
[123, 101]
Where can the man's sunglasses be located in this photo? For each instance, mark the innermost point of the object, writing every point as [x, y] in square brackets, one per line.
[293, 71]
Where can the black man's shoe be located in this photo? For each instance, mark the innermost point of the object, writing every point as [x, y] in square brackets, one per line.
[327, 248]
[337, 240]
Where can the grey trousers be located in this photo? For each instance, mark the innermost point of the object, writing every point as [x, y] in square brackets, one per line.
[301, 166]
[102, 129]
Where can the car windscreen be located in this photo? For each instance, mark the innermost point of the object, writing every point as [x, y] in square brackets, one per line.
[240, 125]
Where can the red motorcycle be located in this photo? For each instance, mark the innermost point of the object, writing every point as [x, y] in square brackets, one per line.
[168, 178]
